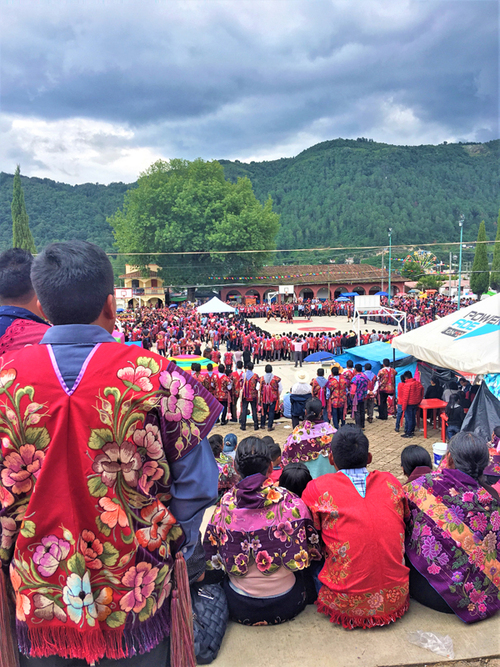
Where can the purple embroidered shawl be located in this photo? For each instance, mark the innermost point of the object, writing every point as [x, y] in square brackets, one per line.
[454, 541]
[307, 442]
[262, 523]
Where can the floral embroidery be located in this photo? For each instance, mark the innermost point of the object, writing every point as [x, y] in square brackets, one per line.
[49, 554]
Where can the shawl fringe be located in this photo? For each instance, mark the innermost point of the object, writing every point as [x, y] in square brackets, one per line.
[365, 622]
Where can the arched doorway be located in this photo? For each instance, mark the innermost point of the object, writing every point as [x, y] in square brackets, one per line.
[359, 290]
[233, 294]
[306, 293]
[374, 290]
[253, 292]
[274, 298]
[339, 291]
[323, 293]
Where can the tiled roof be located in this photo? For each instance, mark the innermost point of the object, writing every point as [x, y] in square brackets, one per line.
[138, 274]
[307, 274]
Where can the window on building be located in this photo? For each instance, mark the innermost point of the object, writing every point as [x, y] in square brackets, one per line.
[135, 284]
[154, 282]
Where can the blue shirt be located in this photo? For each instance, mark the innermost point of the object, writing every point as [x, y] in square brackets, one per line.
[195, 476]
[358, 478]
[10, 313]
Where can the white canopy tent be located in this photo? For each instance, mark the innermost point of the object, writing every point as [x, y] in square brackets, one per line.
[215, 305]
[467, 341]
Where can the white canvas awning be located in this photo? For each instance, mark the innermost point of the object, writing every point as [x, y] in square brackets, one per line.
[215, 305]
[467, 340]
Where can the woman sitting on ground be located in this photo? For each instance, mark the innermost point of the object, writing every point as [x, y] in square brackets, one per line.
[263, 537]
[309, 442]
[454, 530]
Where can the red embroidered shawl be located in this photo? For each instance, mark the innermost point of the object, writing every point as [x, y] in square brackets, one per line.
[365, 580]
[93, 548]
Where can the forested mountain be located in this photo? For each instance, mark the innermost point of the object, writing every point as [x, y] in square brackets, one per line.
[59, 212]
[340, 192]
[347, 192]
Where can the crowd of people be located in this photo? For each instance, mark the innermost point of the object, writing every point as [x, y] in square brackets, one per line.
[115, 439]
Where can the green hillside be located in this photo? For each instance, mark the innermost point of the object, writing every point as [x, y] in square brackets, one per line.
[346, 192]
[340, 192]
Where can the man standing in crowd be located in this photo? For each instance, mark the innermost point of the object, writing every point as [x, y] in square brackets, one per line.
[270, 392]
[386, 387]
[249, 397]
[358, 390]
[337, 385]
[297, 351]
[356, 510]
[123, 473]
[321, 391]
[371, 391]
[21, 321]
[222, 389]
[411, 394]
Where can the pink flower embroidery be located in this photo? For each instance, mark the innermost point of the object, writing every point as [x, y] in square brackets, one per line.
[115, 458]
[9, 529]
[433, 568]
[7, 377]
[151, 472]
[178, 403]
[375, 600]
[140, 579]
[49, 554]
[137, 378]
[160, 521]
[22, 468]
[6, 497]
[149, 438]
[263, 561]
[283, 530]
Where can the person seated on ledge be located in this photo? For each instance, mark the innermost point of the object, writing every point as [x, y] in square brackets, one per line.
[415, 461]
[263, 537]
[453, 533]
[310, 441]
[360, 516]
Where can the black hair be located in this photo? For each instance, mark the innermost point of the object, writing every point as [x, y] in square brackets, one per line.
[249, 366]
[435, 379]
[386, 362]
[252, 456]
[210, 367]
[268, 368]
[335, 370]
[349, 447]
[320, 372]
[408, 375]
[72, 280]
[313, 409]
[196, 367]
[216, 442]
[453, 386]
[239, 364]
[496, 431]
[274, 450]
[469, 453]
[414, 456]
[359, 368]
[349, 363]
[15, 281]
[221, 368]
[368, 367]
[295, 477]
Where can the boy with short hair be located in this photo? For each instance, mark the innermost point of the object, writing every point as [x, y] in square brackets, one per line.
[361, 518]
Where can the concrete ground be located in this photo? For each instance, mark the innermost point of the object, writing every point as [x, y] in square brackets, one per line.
[311, 639]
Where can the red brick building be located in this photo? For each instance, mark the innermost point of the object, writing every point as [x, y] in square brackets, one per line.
[321, 281]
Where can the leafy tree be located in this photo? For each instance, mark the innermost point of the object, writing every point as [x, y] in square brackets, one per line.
[182, 206]
[21, 233]
[412, 270]
[495, 265]
[430, 281]
[480, 277]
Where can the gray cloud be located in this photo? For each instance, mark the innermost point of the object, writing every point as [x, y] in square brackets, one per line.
[243, 79]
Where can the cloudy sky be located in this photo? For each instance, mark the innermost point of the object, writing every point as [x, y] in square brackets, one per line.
[96, 91]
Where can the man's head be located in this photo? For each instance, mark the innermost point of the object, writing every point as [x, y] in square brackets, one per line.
[221, 368]
[320, 372]
[74, 284]
[250, 366]
[386, 363]
[368, 367]
[269, 368]
[358, 368]
[349, 448]
[16, 288]
[349, 363]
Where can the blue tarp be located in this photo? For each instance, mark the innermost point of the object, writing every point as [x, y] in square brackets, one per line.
[375, 353]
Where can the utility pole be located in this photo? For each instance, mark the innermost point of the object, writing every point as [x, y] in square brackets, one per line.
[390, 254]
[449, 281]
[461, 225]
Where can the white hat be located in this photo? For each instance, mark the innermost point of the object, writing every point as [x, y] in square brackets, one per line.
[301, 376]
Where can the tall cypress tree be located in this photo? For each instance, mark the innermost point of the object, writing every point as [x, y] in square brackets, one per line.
[495, 265]
[480, 278]
[21, 233]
